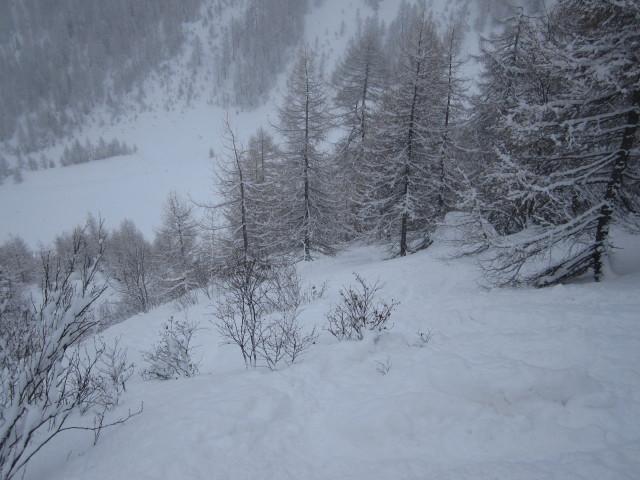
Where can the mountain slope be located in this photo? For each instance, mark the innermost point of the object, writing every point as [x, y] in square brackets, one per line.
[527, 384]
[530, 384]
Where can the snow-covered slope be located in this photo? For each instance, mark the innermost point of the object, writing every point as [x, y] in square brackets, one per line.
[173, 155]
[530, 384]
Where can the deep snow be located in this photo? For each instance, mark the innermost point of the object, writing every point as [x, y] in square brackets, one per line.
[527, 384]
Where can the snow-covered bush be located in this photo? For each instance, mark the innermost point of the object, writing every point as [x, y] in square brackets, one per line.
[115, 368]
[360, 310]
[313, 293]
[383, 366]
[98, 374]
[259, 312]
[45, 374]
[172, 356]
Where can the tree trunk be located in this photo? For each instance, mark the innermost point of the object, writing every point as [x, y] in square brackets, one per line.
[306, 226]
[614, 185]
[407, 171]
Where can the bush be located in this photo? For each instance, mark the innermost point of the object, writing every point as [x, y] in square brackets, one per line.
[46, 373]
[360, 310]
[115, 369]
[259, 312]
[172, 357]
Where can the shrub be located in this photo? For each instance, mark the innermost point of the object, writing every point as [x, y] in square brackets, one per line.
[259, 312]
[172, 357]
[360, 310]
[46, 373]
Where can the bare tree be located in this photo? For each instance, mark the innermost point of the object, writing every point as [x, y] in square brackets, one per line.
[131, 267]
[18, 260]
[43, 380]
[259, 312]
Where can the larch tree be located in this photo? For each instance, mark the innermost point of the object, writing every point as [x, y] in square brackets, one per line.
[308, 200]
[449, 148]
[510, 75]
[604, 110]
[263, 165]
[402, 151]
[235, 185]
[247, 181]
[359, 80]
[582, 175]
[176, 248]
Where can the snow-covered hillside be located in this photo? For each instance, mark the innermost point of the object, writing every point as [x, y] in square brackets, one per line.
[469, 383]
[530, 384]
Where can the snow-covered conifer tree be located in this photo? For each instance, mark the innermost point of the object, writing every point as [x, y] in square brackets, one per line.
[176, 247]
[359, 80]
[449, 148]
[576, 161]
[402, 176]
[308, 199]
[511, 74]
[263, 169]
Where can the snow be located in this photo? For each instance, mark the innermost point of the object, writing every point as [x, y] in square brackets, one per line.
[526, 384]
[173, 156]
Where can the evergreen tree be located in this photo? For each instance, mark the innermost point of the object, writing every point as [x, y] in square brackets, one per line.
[576, 160]
[235, 186]
[512, 73]
[403, 148]
[264, 170]
[307, 204]
[359, 80]
[176, 248]
[449, 148]
[247, 180]
[602, 113]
